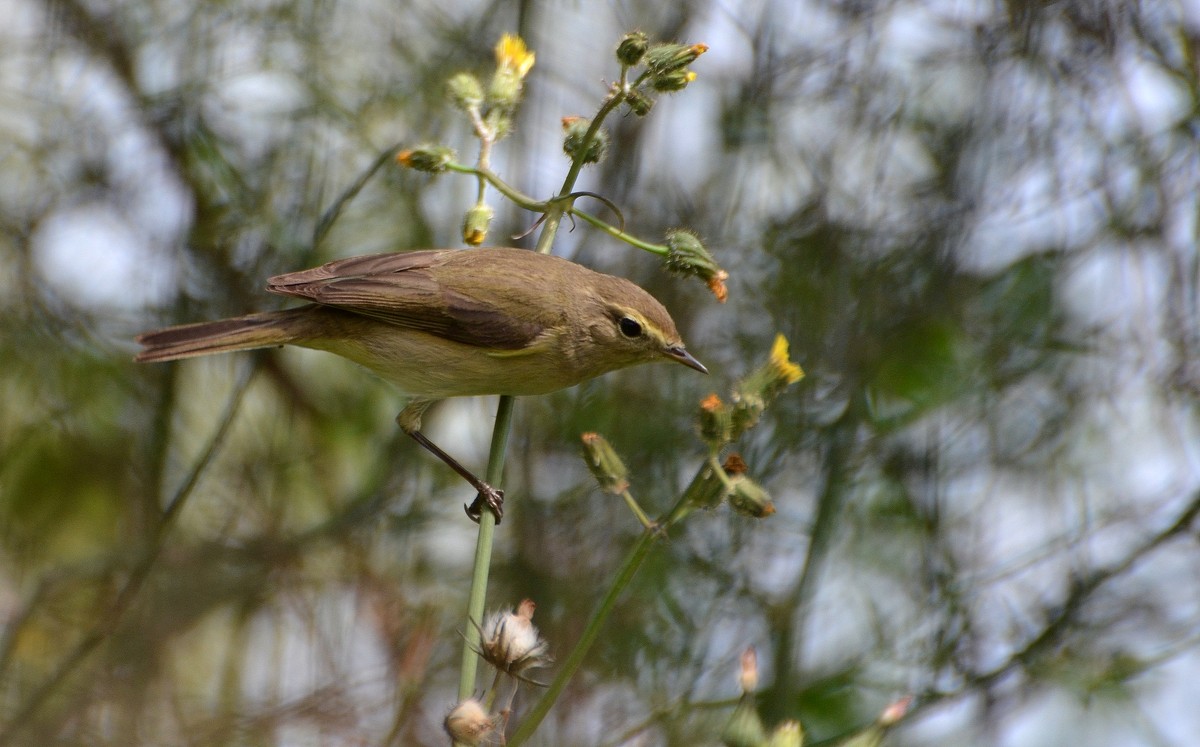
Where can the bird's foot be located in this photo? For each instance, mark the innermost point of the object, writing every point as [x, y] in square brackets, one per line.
[491, 498]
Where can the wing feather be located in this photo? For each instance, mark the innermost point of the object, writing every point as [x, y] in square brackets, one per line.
[405, 289]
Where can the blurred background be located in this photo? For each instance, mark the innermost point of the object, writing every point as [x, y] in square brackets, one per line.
[975, 222]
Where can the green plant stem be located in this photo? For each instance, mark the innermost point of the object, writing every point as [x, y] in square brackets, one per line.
[553, 210]
[483, 551]
[617, 233]
[633, 563]
[629, 569]
[518, 197]
[559, 206]
[528, 203]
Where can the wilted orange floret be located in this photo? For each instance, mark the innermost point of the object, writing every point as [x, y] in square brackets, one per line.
[735, 465]
[716, 284]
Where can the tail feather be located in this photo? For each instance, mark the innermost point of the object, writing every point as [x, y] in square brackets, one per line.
[223, 336]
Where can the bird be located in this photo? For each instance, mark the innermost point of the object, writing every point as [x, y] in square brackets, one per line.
[440, 323]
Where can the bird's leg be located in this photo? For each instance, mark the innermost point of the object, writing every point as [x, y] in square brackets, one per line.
[488, 496]
[409, 420]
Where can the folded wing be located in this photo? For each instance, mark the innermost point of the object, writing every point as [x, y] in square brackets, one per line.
[404, 289]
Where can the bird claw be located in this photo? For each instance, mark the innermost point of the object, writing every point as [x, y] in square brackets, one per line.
[490, 497]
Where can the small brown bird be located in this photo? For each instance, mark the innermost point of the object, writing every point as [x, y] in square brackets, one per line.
[452, 323]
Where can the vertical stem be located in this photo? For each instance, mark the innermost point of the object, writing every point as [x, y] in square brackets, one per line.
[557, 208]
[483, 551]
[495, 471]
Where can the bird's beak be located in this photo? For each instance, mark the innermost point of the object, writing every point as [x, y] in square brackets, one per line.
[678, 353]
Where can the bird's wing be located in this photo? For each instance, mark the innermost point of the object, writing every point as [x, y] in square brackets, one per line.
[402, 288]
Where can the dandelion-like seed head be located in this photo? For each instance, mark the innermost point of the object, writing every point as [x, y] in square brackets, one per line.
[511, 643]
[468, 723]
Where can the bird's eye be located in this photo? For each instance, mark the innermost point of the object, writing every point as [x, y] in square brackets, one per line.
[629, 327]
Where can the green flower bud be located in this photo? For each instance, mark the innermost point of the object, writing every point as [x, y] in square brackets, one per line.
[632, 47]
[475, 224]
[505, 90]
[513, 63]
[745, 728]
[706, 490]
[428, 158]
[638, 103]
[749, 499]
[715, 422]
[575, 130]
[604, 462]
[747, 409]
[465, 91]
[787, 734]
[762, 385]
[674, 80]
[663, 58]
[687, 256]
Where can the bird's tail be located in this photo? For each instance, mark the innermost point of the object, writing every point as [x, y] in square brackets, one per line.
[265, 330]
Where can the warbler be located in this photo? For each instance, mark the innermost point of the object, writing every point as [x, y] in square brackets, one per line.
[452, 323]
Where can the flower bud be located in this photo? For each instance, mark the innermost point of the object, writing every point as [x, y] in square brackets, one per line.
[468, 723]
[675, 80]
[762, 385]
[749, 499]
[465, 91]
[745, 728]
[632, 47]
[787, 734]
[715, 422]
[706, 490]
[748, 679]
[638, 103]
[687, 256]
[513, 63]
[575, 130]
[605, 464]
[475, 224]
[428, 158]
[505, 89]
[665, 58]
[895, 711]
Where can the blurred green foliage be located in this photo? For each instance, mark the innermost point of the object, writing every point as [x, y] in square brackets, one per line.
[975, 225]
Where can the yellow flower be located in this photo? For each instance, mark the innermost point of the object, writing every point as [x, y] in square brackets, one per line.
[512, 54]
[762, 385]
[785, 370]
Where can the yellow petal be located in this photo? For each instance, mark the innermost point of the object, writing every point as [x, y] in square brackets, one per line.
[786, 369]
[511, 53]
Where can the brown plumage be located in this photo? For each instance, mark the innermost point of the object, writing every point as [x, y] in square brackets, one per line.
[490, 321]
[451, 322]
